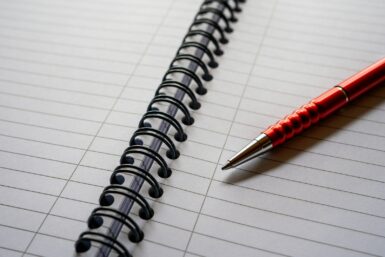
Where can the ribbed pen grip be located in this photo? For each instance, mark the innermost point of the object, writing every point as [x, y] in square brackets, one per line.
[318, 108]
[293, 124]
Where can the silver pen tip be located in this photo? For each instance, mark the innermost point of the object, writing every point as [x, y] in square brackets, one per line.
[258, 146]
[227, 166]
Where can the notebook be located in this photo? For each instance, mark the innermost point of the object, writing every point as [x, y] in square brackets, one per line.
[78, 76]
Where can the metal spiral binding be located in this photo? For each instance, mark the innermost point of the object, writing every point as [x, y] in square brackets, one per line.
[224, 13]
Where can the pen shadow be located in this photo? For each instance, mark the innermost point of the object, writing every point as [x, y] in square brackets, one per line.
[314, 135]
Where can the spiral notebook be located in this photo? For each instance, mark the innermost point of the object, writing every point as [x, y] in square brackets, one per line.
[94, 94]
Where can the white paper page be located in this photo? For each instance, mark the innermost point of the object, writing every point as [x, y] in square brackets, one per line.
[320, 193]
[75, 78]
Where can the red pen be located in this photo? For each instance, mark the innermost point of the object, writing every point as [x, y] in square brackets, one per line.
[310, 113]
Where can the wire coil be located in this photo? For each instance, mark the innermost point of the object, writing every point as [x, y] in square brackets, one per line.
[224, 11]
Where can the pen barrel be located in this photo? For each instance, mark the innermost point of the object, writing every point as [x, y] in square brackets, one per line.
[307, 115]
[327, 103]
[368, 78]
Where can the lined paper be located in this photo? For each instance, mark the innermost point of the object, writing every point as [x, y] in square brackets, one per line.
[76, 76]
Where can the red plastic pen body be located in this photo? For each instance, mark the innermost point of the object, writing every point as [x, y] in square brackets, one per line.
[309, 114]
[327, 103]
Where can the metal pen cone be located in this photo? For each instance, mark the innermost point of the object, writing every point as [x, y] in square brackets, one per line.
[227, 166]
[258, 146]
